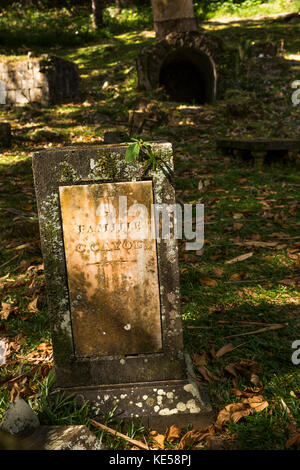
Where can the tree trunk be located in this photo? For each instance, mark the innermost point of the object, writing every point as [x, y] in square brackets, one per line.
[97, 10]
[173, 16]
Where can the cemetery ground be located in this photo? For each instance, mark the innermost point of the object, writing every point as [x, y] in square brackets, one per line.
[240, 292]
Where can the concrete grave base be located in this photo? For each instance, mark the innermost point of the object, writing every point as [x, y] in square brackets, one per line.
[157, 404]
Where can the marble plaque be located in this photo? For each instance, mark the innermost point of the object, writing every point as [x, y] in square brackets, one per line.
[112, 269]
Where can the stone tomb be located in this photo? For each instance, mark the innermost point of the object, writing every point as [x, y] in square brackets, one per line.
[260, 149]
[189, 65]
[45, 80]
[113, 289]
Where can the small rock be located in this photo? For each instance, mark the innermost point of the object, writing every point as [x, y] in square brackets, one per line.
[41, 135]
[3, 349]
[19, 419]
[105, 85]
[62, 438]
[190, 109]
[101, 118]
[115, 137]
[200, 186]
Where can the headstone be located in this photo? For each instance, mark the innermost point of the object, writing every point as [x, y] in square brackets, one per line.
[113, 287]
[5, 134]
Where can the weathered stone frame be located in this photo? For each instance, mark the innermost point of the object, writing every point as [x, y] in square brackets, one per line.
[70, 166]
[152, 58]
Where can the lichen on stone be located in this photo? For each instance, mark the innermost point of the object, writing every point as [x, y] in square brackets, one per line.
[67, 173]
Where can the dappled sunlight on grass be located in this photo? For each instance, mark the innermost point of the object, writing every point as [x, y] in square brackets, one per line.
[248, 211]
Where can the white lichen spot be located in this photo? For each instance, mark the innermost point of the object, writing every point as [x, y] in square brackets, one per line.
[159, 399]
[127, 327]
[106, 397]
[167, 412]
[139, 404]
[156, 408]
[170, 395]
[181, 406]
[161, 392]
[190, 388]
[195, 409]
[124, 395]
[145, 397]
[191, 404]
[122, 361]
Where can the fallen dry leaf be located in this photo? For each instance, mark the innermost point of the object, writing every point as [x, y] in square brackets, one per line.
[275, 326]
[240, 258]
[200, 359]
[219, 271]
[225, 349]
[207, 375]
[3, 278]
[45, 347]
[244, 393]
[235, 277]
[258, 244]
[237, 226]
[236, 411]
[172, 433]
[294, 440]
[258, 403]
[42, 354]
[6, 310]
[159, 439]
[207, 281]
[32, 306]
[191, 437]
[246, 368]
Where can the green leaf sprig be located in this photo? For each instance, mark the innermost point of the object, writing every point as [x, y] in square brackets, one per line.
[139, 149]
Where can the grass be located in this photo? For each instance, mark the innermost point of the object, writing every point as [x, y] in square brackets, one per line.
[243, 203]
[251, 8]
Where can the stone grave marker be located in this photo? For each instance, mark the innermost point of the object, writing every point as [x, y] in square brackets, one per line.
[260, 149]
[113, 287]
[5, 134]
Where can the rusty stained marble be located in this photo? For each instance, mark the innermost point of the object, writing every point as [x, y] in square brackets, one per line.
[112, 272]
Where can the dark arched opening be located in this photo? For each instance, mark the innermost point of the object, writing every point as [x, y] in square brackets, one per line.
[189, 76]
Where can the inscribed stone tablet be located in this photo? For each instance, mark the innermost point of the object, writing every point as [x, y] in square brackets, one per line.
[112, 268]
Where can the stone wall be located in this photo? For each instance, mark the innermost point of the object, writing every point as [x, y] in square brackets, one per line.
[46, 80]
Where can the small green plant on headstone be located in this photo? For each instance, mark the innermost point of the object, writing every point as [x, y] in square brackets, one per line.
[140, 150]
